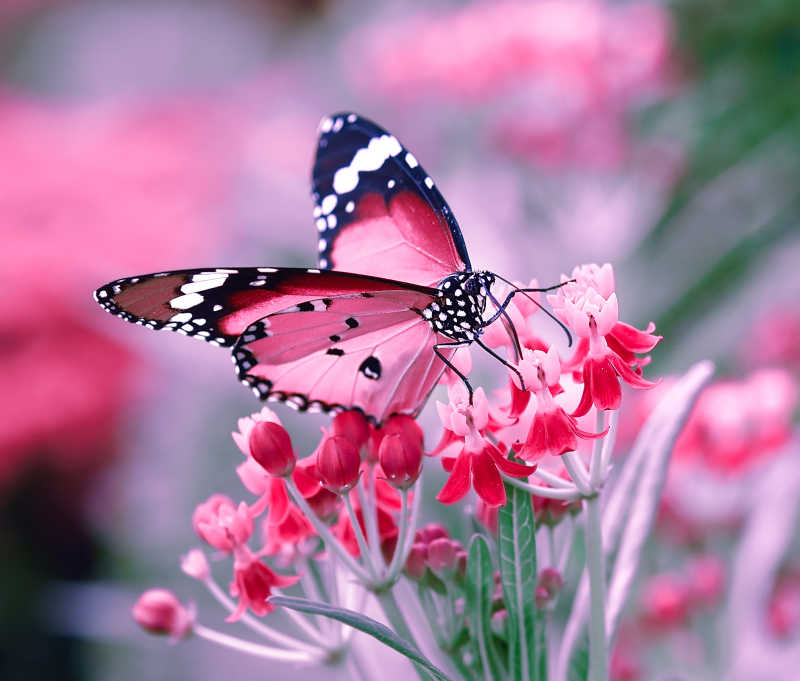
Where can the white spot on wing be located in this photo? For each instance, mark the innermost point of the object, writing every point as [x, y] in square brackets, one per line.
[329, 203]
[326, 124]
[350, 207]
[411, 160]
[185, 302]
[429, 183]
[203, 284]
[371, 157]
[267, 269]
[181, 317]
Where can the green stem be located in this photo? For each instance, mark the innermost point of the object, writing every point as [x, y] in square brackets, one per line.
[398, 559]
[361, 540]
[598, 652]
[325, 534]
[398, 621]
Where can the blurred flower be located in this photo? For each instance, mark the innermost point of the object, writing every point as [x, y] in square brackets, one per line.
[195, 565]
[783, 609]
[221, 524]
[160, 612]
[664, 602]
[775, 339]
[567, 72]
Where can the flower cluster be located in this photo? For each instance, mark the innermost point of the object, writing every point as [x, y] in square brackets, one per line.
[352, 504]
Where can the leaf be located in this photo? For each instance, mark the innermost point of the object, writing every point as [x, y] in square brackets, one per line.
[579, 662]
[517, 547]
[363, 623]
[479, 590]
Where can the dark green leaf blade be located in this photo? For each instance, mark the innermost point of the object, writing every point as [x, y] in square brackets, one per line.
[479, 591]
[517, 546]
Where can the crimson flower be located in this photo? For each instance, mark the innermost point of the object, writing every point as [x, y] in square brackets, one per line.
[607, 348]
[160, 612]
[221, 524]
[252, 584]
[479, 462]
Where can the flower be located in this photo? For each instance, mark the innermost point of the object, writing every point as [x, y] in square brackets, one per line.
[479, 462]
[252, 584]
[338, 464]
[401, 460]
[287, 534]
[270, 446]
[352, 425]
[246, 425]
[195, 565]
[607, 347]
[552, 431]
[665, 601]
[221, 524]
[160, 612]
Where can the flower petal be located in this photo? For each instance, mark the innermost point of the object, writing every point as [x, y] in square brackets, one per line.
[487, 481]
[458, 483]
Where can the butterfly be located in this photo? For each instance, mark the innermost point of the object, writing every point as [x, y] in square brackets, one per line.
[375, 325]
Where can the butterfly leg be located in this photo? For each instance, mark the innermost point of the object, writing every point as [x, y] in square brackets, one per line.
[502, 308]
[502, 361]
[451, 366]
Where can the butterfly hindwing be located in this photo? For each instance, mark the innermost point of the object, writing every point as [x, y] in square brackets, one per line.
[377, 210]
[372, 353]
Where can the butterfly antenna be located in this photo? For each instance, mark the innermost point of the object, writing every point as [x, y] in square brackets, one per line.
[525, 291]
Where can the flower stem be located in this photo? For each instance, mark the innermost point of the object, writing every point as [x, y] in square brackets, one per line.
[596, 470]
[369, 509]
[598, 653]
[398, 559]
[577, 471]
[252, 648]
[325, 534]
[259, 627]
[571, 494]
[361, 540]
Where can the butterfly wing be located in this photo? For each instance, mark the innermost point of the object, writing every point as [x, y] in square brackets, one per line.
[377, 210]
[372, 353]
[217, 305]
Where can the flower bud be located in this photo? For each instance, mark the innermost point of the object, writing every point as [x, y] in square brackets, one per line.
[443, 557]
[271, 447]
[160, 612]
[221, 524]
[195, 565]
[541, 597]
[338, 464]
[401, 460]
[551, 580]
[431, 531]
[353, 426]
[416, 563]
[399, 424]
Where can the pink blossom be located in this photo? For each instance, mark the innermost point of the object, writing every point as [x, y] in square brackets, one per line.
[246, 424]
[195, 565]
[664, 602]
[286, 534]
[478, 462]
[607, 348]
[221, 524]
[552, 430]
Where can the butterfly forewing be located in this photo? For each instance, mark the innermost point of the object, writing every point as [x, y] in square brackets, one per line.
[374, 353]
[377, 210]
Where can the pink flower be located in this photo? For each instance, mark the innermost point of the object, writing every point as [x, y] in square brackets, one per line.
[287, 534]
[401, 460]
[607, 348]
[195, 565]
[338, 464]
[552, 431]
[706, 579]
[221, 524]
[353, 426]
[160, 612]
[665, 602]
[246, 424]
[252, 584]
[479, 462]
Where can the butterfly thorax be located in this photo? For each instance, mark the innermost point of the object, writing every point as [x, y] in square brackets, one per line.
[457, 311]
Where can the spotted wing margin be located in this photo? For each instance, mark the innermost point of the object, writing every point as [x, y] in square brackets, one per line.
[218, 304]
[377, 210]
[375, 354]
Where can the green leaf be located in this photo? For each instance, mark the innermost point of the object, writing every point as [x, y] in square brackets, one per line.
[579, 662]
[363, 623]
[479, 590]
[517, 546]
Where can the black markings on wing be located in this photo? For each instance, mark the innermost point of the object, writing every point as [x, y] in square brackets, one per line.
[356, 157]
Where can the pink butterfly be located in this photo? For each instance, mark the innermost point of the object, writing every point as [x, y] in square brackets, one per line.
[339, 336]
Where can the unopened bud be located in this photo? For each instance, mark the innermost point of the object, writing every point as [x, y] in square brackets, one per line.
[353, 426]
[431, 531]
[416, 563]
[338, 464]
[401, 460]
[160, 612]
[551, 580]
[195, 565]
[442, 557]
[271, 446]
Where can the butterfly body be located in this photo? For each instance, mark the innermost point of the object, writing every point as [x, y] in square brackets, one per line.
[374, 326]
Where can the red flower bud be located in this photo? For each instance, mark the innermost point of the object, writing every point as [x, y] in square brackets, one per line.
[353, 426]
[271, 447]
[338, 464]
[399, 424]
[551, 580]
[431, 531]
[442, 556]
[416, 563]
[160, 612]
[400, 459]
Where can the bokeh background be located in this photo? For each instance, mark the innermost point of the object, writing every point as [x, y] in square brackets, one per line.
[142, 136]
